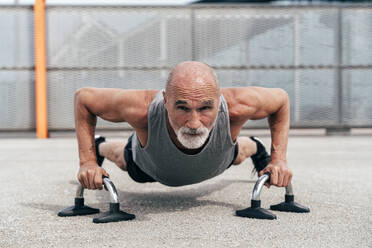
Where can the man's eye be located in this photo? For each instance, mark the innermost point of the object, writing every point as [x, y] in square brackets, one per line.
[205, 108]
[183, 108]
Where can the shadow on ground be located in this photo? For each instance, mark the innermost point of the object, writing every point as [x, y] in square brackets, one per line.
[154, 202]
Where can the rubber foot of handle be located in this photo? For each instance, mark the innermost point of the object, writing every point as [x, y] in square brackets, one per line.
[290, 206]
[256, 212]
[114, 215]
[78, 209]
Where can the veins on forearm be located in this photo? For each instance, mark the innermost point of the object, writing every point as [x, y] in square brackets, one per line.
[278, 152]
[279, 128]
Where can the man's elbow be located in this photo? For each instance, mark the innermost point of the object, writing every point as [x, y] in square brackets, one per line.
[284, 97]
[82, 94]
[281, 102]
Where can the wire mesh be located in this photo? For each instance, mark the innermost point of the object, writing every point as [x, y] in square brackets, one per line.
[357, 105]
[320, 55]
[296, 49]
[117, 37]
[16, 68]
[242, 37]
[16, 100]
[357, 36]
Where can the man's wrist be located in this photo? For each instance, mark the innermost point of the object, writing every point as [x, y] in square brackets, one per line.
[88, 163]
[282, 162]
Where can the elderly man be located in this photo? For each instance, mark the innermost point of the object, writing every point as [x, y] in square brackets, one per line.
[185, 134]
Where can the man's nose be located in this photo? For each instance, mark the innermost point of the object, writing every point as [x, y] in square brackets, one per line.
[194, 121]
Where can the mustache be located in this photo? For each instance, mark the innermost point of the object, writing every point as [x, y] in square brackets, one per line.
[193, 131]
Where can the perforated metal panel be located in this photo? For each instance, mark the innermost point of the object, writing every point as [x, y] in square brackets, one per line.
[17, 101]
[297, 49]
[317, 98]
[318, 36]
[321, 55]
[16, 42]
[357, 36]
[357, 104]
[117, 37]
[16, 68]
[241, 37]
[357, 52]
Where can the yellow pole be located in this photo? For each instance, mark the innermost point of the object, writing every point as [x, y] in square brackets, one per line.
[40, 71]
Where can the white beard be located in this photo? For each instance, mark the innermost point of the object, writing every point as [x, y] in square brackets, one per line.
[192, 138]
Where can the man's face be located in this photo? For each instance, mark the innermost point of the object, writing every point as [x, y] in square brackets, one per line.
[192, 114]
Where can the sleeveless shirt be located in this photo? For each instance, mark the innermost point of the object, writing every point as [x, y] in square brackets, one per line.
[164, 162]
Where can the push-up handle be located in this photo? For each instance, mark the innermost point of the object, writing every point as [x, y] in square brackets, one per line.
[111, 188]
[258, 186]
[79, 208]
[255, 211]
[113, 215]
[289, 205]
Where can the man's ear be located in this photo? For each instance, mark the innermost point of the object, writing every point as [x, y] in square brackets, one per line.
[164, 97]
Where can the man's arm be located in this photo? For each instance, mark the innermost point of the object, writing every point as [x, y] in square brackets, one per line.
[281, 175]
[254, 103]
[115, 105]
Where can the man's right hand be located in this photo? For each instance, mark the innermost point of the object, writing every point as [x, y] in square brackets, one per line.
[90, 175]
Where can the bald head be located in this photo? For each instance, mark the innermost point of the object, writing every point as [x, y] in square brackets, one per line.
[192, 75]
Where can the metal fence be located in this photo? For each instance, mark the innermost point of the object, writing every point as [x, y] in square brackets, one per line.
[321, 55]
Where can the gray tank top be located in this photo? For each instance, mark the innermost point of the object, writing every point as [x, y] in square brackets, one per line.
[164, 162]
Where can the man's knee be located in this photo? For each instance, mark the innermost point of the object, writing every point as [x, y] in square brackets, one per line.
[122, 166]
[239, 159]
[119, 159]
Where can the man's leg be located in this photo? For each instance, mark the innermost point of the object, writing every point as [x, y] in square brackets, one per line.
[121, 155]
[254, 148]
[113, 151]
[247, 148]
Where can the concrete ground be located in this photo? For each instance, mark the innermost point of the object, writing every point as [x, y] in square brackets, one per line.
[332, 176]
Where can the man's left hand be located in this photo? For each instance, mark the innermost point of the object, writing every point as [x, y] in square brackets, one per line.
[280, 174]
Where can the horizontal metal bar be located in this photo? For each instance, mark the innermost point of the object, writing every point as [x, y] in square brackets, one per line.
[217, 6]
[103, 5]
[128, 128]
[251, 67]
[152, 68]
[17, 68]
[16, 6]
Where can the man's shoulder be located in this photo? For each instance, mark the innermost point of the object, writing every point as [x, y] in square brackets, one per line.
[142, 100]
[231, 94]
[240, 100]
[148, 96]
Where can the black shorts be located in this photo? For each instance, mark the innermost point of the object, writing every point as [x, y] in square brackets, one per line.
[137, 174]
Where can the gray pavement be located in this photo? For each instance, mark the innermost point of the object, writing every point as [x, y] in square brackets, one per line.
[332, 176]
